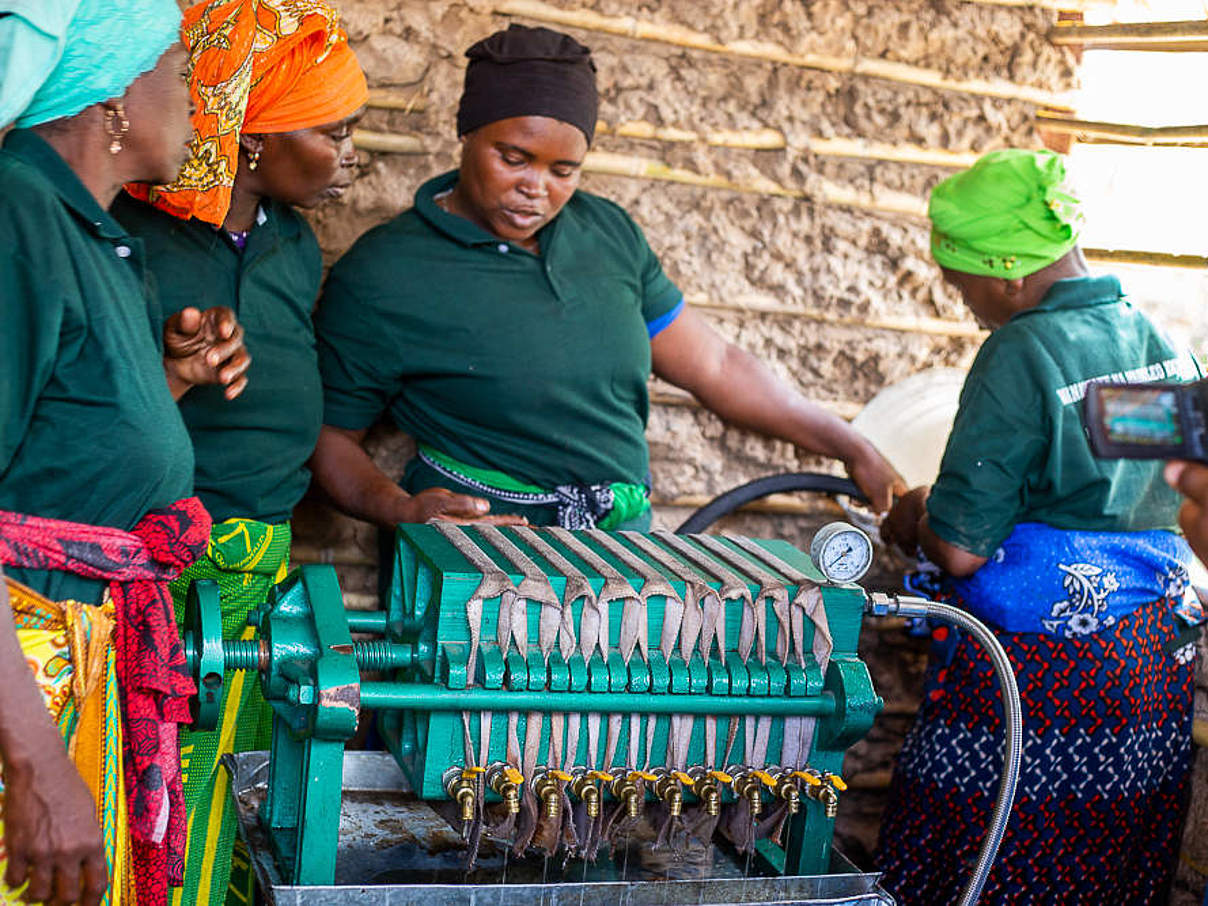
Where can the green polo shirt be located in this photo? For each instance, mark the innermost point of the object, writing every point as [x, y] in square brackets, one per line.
[1017, 452]
[251, 451]
[532, 365]
[88, 430]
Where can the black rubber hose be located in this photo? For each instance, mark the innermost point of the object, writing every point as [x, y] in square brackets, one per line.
[731, 500]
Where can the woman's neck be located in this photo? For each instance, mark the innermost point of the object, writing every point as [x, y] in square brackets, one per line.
[82, 145]
[241, 216]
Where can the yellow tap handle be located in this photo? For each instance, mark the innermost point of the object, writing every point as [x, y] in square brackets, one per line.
[513, 775]
[643, 775]
[768, 780]
[682, 777]
[600, 775]
[721, 777]
[807, 777]
[837, 782]
[471, 773]
[559, 775]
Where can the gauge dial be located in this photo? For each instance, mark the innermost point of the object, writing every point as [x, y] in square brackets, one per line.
[841, 552]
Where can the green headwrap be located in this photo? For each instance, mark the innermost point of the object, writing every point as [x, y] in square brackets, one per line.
[1008, 215]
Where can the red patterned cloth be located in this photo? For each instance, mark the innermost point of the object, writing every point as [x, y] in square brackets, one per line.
[154, 683]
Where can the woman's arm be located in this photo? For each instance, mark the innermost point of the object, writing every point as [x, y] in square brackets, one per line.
[907, 527]
[359, 488]
[742, 390]
[50, 827]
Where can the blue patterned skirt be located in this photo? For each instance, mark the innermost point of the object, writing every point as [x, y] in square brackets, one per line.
[1106, 757]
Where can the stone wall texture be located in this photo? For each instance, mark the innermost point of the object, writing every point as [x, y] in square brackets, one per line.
[797, 280]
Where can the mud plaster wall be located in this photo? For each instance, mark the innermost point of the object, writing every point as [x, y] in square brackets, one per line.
[738, 248]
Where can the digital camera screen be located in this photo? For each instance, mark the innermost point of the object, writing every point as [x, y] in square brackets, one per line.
[1141, 416]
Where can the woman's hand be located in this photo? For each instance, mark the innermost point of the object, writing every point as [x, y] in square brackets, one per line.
[50, 830]
[901, 526]
[205, 347]
[443, 505]
[1191, 480]
[873, 475]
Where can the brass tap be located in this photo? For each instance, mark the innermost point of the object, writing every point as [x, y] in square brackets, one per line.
[787, 789]
[505, 780]
[669, 787]
[823, 787]
[546, 788]
[705, 786]
[625, 788]
[461, 785]
[747, 784]
[583, 787]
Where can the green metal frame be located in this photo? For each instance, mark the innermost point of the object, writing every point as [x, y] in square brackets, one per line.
[310, 673]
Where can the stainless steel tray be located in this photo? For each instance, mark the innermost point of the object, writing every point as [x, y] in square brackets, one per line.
[395, 849]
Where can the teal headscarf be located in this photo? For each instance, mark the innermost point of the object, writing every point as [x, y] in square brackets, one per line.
[1008, 215]
[58, 57]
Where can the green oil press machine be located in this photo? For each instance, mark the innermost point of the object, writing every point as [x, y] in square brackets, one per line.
[577, 701]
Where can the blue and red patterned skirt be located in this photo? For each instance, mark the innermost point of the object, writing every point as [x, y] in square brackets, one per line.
[1106, 757]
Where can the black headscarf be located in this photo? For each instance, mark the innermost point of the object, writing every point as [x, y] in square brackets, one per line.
[529, 72]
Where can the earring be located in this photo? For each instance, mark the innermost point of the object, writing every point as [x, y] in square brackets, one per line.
[253, 160]
[117, 126]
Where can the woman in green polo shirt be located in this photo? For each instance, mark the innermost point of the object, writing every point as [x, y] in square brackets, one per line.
[96, 469]
[1072, 560]
[227, 232]
[510, 323]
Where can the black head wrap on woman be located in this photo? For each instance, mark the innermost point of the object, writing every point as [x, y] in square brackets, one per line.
[529, 72]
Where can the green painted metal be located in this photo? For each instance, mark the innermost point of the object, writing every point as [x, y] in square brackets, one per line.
[203, 651]
[423, 697]
[310, 672]
[313, 684]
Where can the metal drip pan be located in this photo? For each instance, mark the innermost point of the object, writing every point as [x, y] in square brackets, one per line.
[395, 849]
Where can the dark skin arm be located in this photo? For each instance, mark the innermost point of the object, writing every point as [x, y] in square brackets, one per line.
[50, 826]
[205, 347]
[359, 488]
[744, 392]
[906, 526]
[1191, 480]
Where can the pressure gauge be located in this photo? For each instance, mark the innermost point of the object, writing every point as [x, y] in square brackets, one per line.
[841, 552]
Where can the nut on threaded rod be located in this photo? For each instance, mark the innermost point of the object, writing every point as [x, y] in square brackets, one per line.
[505, 780]
[245, 654]
[377, 654]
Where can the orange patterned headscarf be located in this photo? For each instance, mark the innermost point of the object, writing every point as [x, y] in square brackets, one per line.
[255, 66]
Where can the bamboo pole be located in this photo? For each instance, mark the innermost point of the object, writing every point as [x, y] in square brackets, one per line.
[767, 139]
[769, 52]
[1124, 133]
[942, 327]
[392, 99]
[881, 201]
[1149, 259]
[1133, 36]
[390, 142]
[1059, 5]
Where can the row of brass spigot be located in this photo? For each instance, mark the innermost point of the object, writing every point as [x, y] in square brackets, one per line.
[625, 786]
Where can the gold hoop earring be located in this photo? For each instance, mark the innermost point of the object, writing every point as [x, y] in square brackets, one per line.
[253, 160]
[117, 125]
